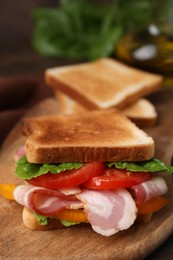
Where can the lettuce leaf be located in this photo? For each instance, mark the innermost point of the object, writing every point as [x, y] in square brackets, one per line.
[27, 171]
[68, 223]
[153, 165]
[43, 220]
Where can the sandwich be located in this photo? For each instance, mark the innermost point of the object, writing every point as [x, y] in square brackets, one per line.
[103, 84]
[96, 168]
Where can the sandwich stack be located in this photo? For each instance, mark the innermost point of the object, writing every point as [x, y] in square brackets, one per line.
[93, 166]
[85, 168]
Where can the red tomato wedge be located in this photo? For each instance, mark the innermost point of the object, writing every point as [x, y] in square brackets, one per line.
[115, 178]
[68, 178]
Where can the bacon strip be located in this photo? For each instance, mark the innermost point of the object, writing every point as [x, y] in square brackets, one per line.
[108, 211]
[149, 189]
[19, 153]
[70, 191]
[44, 201]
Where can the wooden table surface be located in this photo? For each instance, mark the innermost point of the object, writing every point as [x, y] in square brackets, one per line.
[18, 58]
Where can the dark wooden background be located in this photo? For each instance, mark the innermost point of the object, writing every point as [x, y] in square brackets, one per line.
[16, 16]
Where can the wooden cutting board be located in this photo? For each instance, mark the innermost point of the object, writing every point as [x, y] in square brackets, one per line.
[17, 242]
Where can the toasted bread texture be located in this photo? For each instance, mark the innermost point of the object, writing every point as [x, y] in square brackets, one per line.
[102, 84]
[30, 221]
[105, 135]
[142, 112]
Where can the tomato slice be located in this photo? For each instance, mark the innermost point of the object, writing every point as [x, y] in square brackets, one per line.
[152, 205]
[68, 178]
[115, 178]
[73, 215]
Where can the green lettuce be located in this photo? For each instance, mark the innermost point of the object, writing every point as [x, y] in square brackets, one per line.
[153, 165]
[68, 223]
[43, 220]
[27, 171]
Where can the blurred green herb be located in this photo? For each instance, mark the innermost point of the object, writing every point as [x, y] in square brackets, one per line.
[84, 29]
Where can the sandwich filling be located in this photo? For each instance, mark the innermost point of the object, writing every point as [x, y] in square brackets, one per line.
[109, 196]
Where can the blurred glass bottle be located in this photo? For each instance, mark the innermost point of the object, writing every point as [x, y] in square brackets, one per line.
[150, 47]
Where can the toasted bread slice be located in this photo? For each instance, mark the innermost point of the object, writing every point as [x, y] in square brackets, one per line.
[142, 112]
[102, 84]
[30, 221]
[104, 135]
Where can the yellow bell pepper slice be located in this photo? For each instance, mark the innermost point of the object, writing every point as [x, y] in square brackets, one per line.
[73, 215]
[152, 205]
[7, 190]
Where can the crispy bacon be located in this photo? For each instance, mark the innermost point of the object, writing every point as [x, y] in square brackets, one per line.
[109, 211]
[149, 189]
[19, 153]
[70, 191]
[44, 201]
